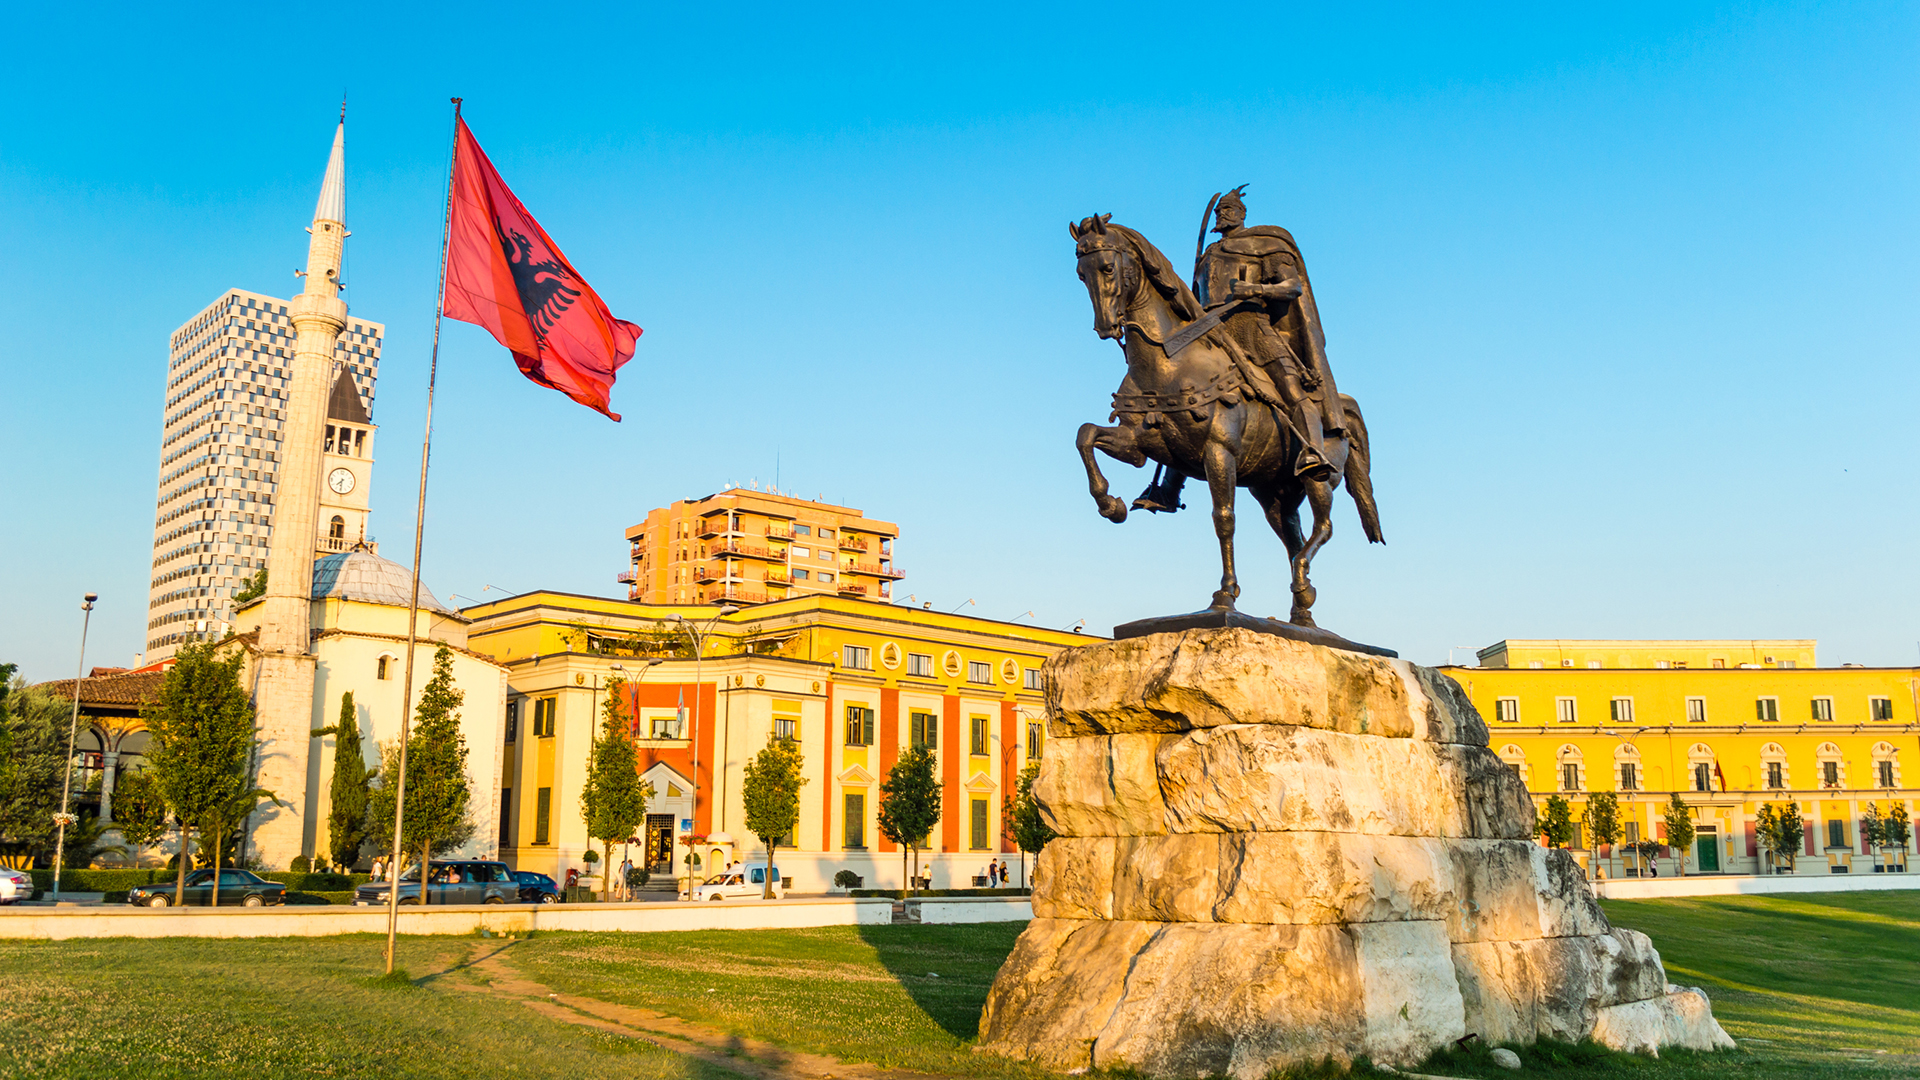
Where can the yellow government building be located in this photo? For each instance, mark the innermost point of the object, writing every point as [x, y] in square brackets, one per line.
[1728, 724]
[853, 681]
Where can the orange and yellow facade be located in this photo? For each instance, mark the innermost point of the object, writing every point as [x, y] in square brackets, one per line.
[1729, 725]
[854, 683]
[743, 546]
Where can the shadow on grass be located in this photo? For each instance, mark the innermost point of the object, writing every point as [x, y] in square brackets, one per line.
[945, 970]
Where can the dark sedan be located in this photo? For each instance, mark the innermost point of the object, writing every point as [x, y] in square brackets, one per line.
[240, 888]
[456, 881]
[536, 888]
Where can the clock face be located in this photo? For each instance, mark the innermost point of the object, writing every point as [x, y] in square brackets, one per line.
[340, 480]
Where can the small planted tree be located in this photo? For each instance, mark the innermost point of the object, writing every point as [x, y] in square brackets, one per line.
[438, 792]
[910, 804]
[202, 727]
[1898, 830]
[1680, 831]
[772, 796]
[614, 801]
[348, 790]
[1555, 824]
[1603, 824]
[1781, 833]
[1027, 827]
[1873, 833]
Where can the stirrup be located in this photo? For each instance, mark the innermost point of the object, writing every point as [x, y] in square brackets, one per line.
[1311, 466]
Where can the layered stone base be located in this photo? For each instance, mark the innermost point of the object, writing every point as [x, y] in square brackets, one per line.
[1275, 852]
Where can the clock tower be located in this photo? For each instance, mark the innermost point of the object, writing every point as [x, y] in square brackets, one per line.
[345, 470]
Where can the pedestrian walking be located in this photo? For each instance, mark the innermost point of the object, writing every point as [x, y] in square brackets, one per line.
[993, 874]
[626, 872]
[379, 868]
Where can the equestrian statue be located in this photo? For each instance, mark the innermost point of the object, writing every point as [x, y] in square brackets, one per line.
[1227, 381]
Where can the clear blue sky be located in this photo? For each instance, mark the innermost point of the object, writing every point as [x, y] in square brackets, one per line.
[1628, 292]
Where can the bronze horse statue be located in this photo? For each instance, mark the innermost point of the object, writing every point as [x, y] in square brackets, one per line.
[1205, 412]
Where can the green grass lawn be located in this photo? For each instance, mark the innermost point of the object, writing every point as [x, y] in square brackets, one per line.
[1822, 987]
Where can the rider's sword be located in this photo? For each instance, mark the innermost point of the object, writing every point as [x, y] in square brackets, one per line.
[1193, 331]
[1190, 333]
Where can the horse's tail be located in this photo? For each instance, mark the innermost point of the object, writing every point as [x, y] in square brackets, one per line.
[1358, 475]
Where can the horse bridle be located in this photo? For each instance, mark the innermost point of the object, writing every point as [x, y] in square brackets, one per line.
[1131, 277]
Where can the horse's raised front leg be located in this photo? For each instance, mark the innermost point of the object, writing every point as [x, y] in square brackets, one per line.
[1119, 443]
[1222, 476]
[1320, 497]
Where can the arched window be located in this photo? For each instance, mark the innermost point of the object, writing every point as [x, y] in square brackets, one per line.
[1833, 769]
[1773, 767]
[383, 667]
[1626, 768]
[1573, 768]
[1517, 759]
[1704, 772]
[337, 528]
[1886, 765]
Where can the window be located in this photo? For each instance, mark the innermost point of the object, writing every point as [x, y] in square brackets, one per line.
[513, 720]
[1034, 738]
[543, 710]
[1507, 710]
[1535, 664]
[1696, 710]
[542, 814]
[920, 664]
[337, 528]
[380, 667]
[1823, 708]
[665, 726]
[859, 725]
[1767, 709]
[1033, 678]
[979, 829]
[1702, 777]
[979, 733]
[786, 728]
[1565, 710]
[854, 826]
[924, 729]
[1593, 663]
[826, 534]
[1719, 661]
[857, 657]
[1570, 777]
[1884, 769]
[824, 576]
[803, 530]
[825, 555]
[1880, 708]
[1776, 776]
[802, 575]
[1836, 833]
[1830, 774]
[802, 553]
[506, 815]
[1629, 778]
[1620, 710]
[978, 672]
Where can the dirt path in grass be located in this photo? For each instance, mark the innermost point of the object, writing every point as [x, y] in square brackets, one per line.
[748, 1057]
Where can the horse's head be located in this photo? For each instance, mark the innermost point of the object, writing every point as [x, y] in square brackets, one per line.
[1110, 270]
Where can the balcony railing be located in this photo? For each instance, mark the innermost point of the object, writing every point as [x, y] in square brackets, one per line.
[780, 532]
[851, 589]
[778, 577]
[341, 543]
[740, 596]
[751, 551]
[625, 577]
[873, 569]
[852, 542]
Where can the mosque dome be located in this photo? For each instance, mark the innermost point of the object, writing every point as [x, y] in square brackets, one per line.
[370, 579]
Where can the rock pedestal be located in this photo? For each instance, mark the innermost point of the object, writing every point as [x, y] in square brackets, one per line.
[1275, 852]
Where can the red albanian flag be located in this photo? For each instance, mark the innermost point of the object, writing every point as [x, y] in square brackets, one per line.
[505, 273]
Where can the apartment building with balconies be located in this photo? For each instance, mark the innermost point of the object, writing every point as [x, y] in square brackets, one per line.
[742, 546]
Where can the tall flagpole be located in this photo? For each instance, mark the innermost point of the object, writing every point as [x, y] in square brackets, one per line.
[413, 605]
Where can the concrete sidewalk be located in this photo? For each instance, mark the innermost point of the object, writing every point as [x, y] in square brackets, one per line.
[1749, 884]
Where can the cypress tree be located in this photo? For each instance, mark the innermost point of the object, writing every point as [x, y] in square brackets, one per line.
[347, 817]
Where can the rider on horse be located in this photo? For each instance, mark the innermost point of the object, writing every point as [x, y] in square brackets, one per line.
[1255, 278]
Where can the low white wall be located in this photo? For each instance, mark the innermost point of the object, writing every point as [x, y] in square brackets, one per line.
[1739, 884]
[56, 924]
[969, 910]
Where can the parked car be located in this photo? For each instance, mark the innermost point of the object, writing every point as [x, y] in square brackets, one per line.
[456, 881]
[536, 888]
[241, 888]
[14, 886]
[749, 884]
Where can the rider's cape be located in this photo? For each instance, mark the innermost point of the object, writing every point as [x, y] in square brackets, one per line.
[1273, 248]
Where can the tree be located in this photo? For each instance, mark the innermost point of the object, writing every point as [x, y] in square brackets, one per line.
[33, 754]
[1556, 822]
[772, 796]
[347, 814]
[1897, 829]
[254, 589]
[202, 727]
[1025, 823]
[910, 804]
[139, 812]
[1781, 832]
[614, 801]
[1873, 833]
[1680, 830]
[438, 792]
[1603, 823]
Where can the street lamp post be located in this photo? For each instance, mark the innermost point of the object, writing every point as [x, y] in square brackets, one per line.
[73, 731]
[642, 674]
[699, 649]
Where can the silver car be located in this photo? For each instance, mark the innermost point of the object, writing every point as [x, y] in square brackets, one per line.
[15, 886]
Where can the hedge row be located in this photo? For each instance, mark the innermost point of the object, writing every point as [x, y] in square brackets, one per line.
[109, 881]
[896, 894]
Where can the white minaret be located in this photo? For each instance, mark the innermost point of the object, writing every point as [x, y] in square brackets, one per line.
[284, 671]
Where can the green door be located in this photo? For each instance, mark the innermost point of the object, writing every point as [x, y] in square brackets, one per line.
[1707, 854]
